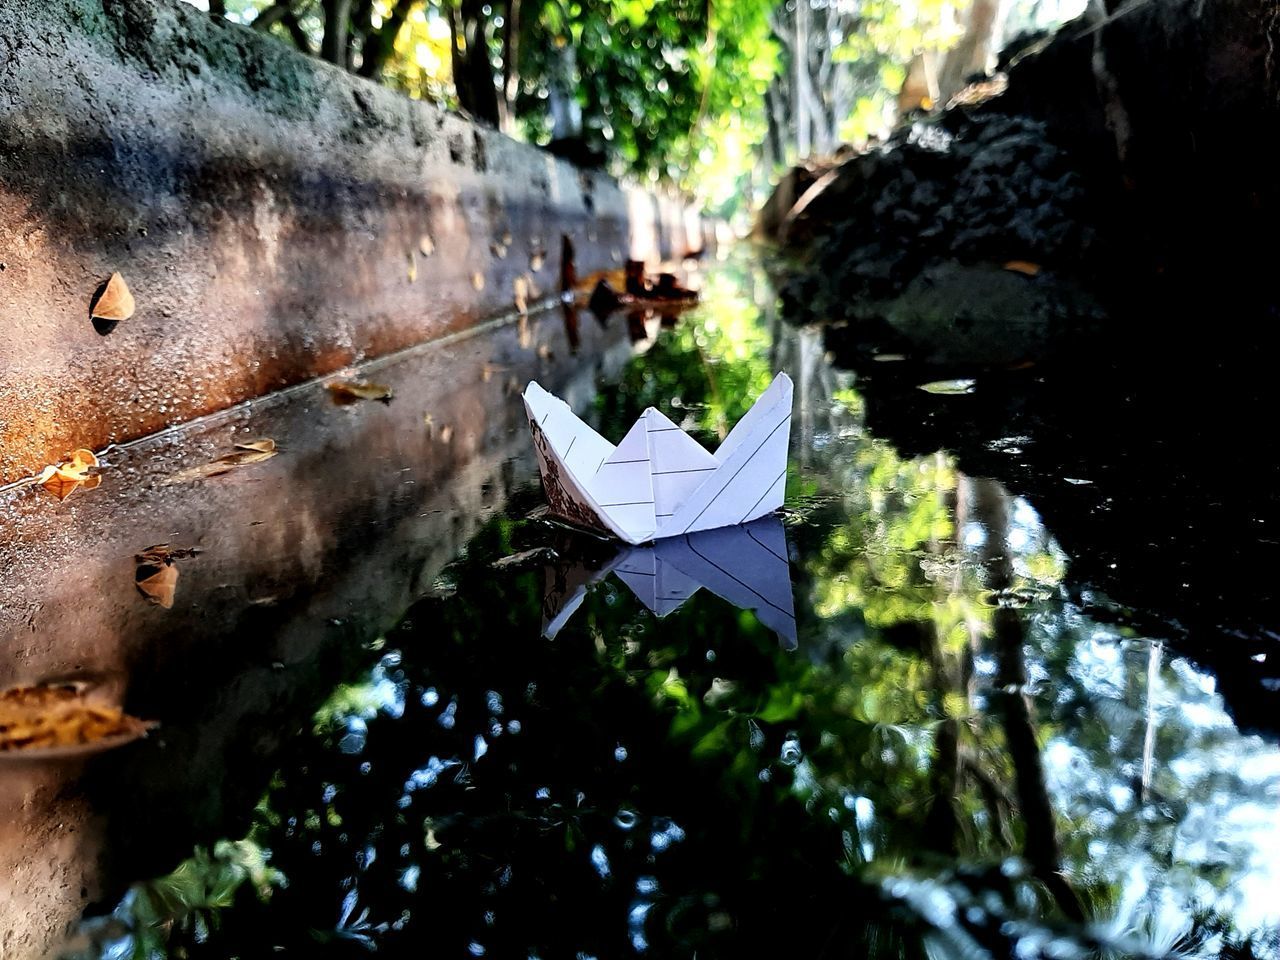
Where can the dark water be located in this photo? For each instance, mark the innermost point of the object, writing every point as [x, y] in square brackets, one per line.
[967, 749]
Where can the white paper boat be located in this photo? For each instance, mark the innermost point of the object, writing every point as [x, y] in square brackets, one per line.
[745, 565]
[660, 482]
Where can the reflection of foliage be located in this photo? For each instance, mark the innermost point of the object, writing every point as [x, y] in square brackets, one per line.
[704, 373]
[186, 904]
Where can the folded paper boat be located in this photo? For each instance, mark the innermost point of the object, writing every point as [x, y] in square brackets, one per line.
[660, 482]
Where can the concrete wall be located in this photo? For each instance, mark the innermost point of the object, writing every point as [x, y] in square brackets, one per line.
[276, 219]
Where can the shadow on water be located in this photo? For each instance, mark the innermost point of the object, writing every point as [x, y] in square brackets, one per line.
[962, 752]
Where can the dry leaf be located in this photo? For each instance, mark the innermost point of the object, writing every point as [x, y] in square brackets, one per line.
[156, 577]
[115, 302]
[536, 261]
[477, 280]
[413, 268]
[544, 352]
[349, 391]
[520, 286]
[244, 454]
[1024, 267]
[499, 250]
[157, 584]
[65, 478]
[426, 246]
[61, 720]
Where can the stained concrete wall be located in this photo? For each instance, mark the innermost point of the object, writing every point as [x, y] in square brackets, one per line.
[276, 219]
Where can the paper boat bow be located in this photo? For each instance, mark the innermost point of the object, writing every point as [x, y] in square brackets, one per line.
[660, 482]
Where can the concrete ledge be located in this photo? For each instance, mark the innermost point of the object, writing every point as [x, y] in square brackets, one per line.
[276, 219]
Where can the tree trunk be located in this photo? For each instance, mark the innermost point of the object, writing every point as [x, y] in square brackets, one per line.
[972, 53]
[472, 69]
[510, 65]
[379, 47]
[337, 23]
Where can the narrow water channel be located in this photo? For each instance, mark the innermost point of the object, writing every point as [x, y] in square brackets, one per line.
[402, 712]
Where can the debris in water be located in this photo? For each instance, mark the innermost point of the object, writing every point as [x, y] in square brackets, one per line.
[948, 387]
[244, 454]
[115, 302]
[477, 280]
[525, 558]
[346, 392]
[426, 246]
[65, 478]
[1024, 267]
[413, 267]
[59, 720]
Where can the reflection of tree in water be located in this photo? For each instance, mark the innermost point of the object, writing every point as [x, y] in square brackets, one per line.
[941, 769]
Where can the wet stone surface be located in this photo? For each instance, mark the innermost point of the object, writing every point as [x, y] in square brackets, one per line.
[368, 741]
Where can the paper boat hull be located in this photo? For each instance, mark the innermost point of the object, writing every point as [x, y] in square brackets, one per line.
[659, 482]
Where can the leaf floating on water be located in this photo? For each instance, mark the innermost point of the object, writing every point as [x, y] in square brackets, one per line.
[244, 454]
[349, 391]
[115, 302]
[889, 357]
[948, 387]
[60, 720]
[65, 478]
[426, 246]
[156, 577]
[413, 267]
[524, 558]
[477, 280]
[536, 261]
[1024, 267]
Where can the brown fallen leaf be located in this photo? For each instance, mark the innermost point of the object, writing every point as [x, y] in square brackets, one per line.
[244, 454]
[115, 302]
[61, 720]
[156, 576]
[65, 478]
[349, 391]
[520, 288]
[1024, 267]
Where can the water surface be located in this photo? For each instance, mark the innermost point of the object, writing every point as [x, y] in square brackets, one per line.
[963, 750]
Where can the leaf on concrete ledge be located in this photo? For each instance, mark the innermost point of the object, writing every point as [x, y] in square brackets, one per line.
[115, 302]
[61, 720]
[65, 478]
[349, 391]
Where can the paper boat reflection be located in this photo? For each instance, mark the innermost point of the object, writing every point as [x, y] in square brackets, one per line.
[746, 565]
[660, 482]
